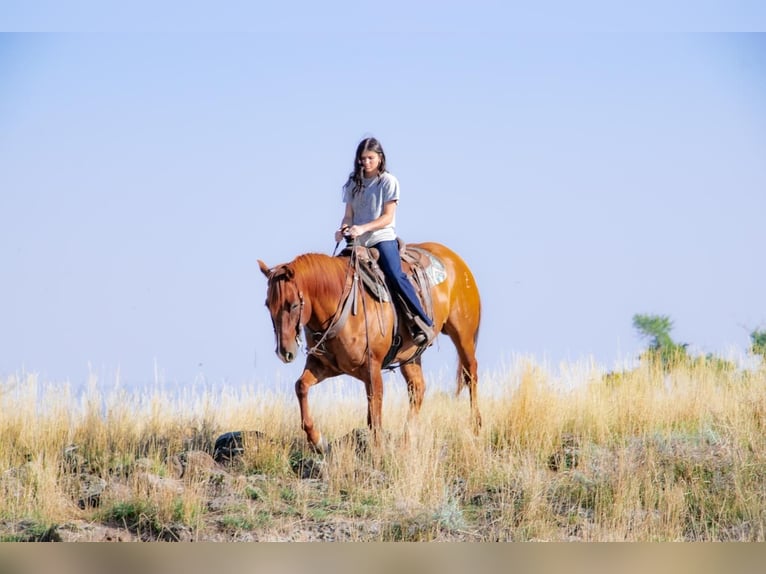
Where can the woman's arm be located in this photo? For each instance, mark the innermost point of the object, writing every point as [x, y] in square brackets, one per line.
[345, 223]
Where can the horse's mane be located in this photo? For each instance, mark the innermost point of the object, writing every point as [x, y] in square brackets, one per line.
[320, 274]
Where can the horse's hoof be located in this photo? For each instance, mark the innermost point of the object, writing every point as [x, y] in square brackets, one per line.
[322, 446]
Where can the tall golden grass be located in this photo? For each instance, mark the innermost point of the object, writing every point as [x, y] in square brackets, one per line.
[642, 456]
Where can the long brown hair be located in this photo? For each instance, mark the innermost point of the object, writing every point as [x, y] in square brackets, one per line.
[367, 144]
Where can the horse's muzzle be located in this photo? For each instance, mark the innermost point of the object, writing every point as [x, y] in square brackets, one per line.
[285, 354]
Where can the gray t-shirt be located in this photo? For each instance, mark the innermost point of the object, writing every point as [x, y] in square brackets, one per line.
[368, 203]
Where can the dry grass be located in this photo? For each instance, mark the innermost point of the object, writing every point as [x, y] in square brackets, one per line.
[641, 456]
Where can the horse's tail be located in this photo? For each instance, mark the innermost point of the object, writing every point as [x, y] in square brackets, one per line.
[460, 379]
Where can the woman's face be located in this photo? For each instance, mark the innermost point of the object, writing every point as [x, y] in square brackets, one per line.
[370, 161]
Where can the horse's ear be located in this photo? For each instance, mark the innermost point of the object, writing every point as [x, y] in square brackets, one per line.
[264, 268]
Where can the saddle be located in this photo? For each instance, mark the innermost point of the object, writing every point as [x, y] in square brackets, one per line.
[415, 263]
[423, 270]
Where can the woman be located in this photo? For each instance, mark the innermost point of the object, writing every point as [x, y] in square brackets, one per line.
[371, 195]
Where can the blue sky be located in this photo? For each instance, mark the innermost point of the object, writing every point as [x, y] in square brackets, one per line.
[584, 177]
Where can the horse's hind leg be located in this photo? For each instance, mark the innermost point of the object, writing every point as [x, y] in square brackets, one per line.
[468, 367]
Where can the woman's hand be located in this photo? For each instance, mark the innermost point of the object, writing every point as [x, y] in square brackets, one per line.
[353, 232]
[342, 233]
[347, 232]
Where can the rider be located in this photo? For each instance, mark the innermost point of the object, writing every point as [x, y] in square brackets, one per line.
[371, 195]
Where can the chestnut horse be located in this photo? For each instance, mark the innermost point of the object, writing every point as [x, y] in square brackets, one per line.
[308, 294]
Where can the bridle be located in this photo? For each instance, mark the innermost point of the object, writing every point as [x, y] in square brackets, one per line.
[281, 278]
[336, 322]
[342, 311]
[347, 304]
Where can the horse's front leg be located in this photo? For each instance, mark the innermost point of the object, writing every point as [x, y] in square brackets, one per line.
[416, 386]
[312, 374]
[374, 387]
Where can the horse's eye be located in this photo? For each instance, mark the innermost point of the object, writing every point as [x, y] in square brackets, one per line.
[293, 307]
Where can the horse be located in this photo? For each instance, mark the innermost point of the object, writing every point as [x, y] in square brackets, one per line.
[312, 293]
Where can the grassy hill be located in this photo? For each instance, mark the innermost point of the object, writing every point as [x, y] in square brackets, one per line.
[644, 455]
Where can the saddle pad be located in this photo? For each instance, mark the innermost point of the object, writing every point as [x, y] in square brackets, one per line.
[436, 271]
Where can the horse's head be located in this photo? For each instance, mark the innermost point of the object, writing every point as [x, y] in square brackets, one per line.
[284, 301]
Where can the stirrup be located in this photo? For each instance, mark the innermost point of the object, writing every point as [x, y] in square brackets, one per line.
[421, 333]
[419, 338]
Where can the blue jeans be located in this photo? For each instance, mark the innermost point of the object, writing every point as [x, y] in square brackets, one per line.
[391, 264]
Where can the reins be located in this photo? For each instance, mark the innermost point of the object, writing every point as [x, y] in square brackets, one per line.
[352, 290]
[354, 262]
[347, 304]
[339, 317]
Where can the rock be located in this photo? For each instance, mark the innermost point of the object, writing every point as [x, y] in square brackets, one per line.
[81, 531]
[72, 461]
[193, 465]
[88, 490]
[152, 483]
[231, 445]
[361, 439]
[32, 531]
[567, 456]
[307, 465]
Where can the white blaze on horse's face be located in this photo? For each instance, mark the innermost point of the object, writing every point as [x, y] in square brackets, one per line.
[285, 306]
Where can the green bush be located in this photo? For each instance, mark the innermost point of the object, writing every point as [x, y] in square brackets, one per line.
[758, 339]
[663, 351]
